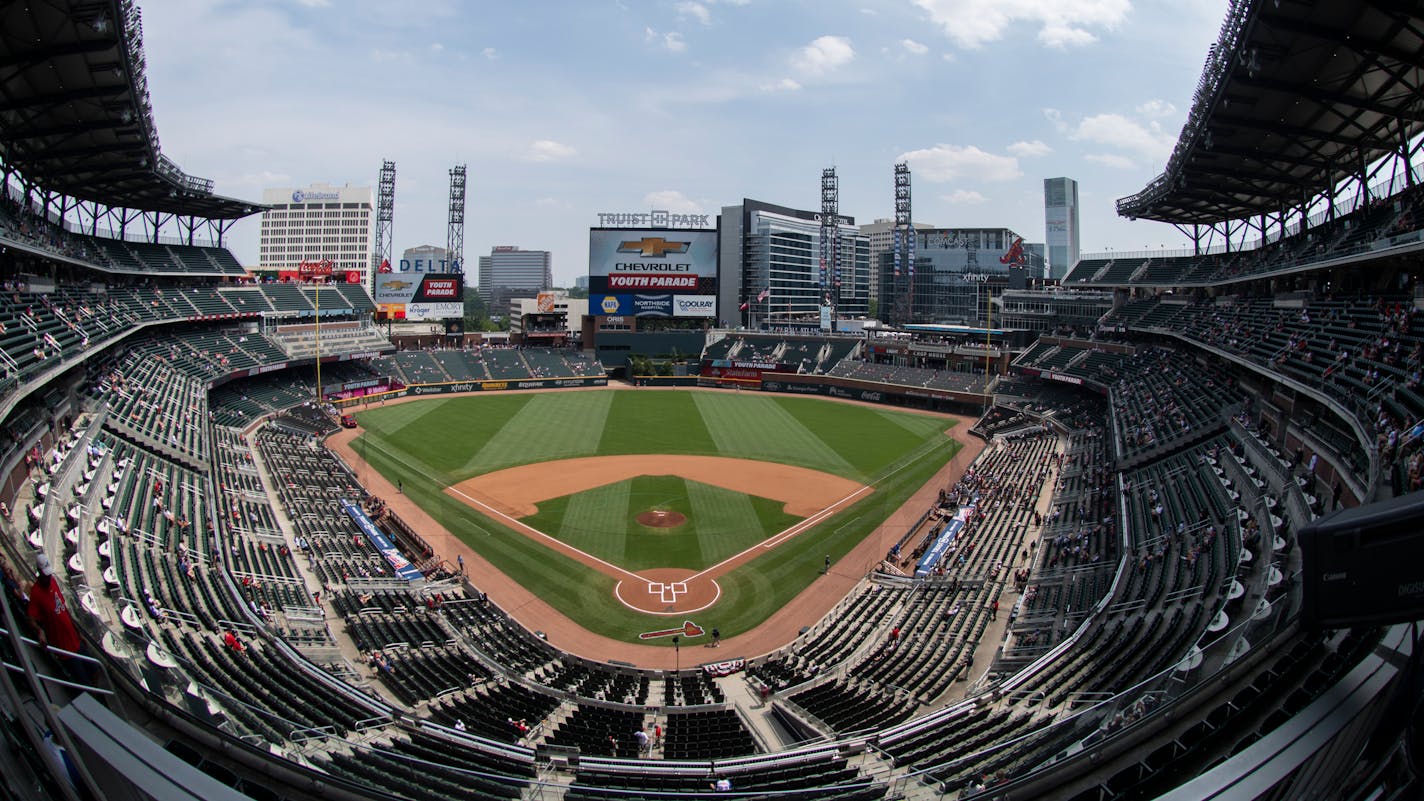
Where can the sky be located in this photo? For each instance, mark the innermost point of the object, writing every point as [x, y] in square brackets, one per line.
[563, 109]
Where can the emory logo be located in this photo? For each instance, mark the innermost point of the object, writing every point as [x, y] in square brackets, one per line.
[609, 304]
[652, 247]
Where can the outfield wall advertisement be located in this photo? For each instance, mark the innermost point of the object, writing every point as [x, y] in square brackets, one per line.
[652, 272]
[420, 296]
[450, 388]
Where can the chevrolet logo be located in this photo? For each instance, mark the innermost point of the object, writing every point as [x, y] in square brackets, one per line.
[652, 247]
[396, 285]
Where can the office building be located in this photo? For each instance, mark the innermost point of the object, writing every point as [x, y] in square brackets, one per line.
[770, 259]
[882, 240]
[427, 259]
[509, 272]
[314, 223]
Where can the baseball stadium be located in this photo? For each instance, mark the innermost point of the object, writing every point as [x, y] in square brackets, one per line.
[1147, 532]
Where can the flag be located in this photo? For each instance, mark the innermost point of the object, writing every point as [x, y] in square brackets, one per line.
[764, 294]
[744, 305]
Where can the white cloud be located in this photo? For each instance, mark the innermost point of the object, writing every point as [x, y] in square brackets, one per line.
[964, 197]
[671, 41]
[783, 85]
[1025, 150]
[1114, 160]
[490, 53]
[1061, 23]
[1122, 133]
[953, 162]
[824, 55]
[1155, 109]
[671, 200]
[436, 47]
[694, 10]
[914, 47]
[547, 150]
[314, 3]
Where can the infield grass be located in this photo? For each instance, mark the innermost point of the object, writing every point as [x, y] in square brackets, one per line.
[719, 522]
[431, 444]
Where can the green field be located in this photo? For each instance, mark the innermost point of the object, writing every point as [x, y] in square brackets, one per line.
[431, 444]
[720, 522]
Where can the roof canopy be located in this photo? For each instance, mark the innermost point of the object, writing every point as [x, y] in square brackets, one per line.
[1295, 97]
[75, 115]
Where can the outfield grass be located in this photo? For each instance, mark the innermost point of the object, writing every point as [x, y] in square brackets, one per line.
[720, 522]
[431, 444]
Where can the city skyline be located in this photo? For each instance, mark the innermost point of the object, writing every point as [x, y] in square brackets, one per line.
[685, 106]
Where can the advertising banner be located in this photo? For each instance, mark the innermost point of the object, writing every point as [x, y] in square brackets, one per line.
[420, 296]
[631, 305]
[632, 260]
[694, 305]
[382, 543]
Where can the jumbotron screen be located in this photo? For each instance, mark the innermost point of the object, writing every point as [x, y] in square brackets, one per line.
[652, 272]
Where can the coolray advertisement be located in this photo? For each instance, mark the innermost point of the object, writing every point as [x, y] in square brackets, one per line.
[630, 261]
[420, 296]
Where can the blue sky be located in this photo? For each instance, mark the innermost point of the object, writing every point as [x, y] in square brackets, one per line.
[565, 109]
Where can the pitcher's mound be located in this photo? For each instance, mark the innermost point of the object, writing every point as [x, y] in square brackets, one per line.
[661, 518]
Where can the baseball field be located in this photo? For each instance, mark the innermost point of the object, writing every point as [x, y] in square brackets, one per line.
[633, 511]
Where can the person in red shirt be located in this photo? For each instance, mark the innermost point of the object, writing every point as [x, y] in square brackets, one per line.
[56, 628]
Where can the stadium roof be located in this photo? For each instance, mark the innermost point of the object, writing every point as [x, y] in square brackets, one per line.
[75, 115]
[1294, 97]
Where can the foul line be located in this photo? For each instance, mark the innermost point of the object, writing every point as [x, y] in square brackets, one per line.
[558, 545]
[827, 512]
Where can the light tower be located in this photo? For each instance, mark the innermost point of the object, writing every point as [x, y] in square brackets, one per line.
[385, 220]
[455, 238]
[904, 241]
[830, 234]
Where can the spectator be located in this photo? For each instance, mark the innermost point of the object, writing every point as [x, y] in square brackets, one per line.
[47, 608]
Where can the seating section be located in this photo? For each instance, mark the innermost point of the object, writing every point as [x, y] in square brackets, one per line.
[971, 382]
[485, 364]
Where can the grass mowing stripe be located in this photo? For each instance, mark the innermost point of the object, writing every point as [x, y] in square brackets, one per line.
[918, 425]
[554, 426]
[654, 422]
[721, 516]
[596, 521]
[756, 427]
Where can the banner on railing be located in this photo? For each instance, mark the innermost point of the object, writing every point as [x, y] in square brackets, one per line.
[382, 543]
[945, 541]
[727, 668]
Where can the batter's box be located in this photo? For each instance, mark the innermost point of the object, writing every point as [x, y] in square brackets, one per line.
[667, 592]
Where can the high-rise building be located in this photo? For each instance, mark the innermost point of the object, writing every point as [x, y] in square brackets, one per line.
[956, 270]
[882, 240]
[770, 259]
[426, 259]
[314, 223]
[510, 272]
[1060, 219]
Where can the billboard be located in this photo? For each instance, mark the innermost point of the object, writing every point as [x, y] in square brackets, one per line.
[420, 296]
[652, 260]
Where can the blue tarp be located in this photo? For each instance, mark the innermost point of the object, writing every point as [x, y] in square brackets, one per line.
[382, 543]
[944, 542]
